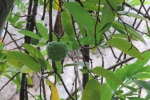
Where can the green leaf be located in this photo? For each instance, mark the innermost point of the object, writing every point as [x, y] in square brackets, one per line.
[112, 84]
[100, 71]
[119, 36]
[25, 69]
[108, 17]
[59, 67]
[67, 24]
[142, 75]
[1, 47]
[84, 71]
[125, 46]
[145, 69]
[122, 28]
[137, 2]
[36, 54]
[103, 1]
[106, 93]
[131, 88]
[23, 58]
[135, 98]
[131, 14]
[121, 74]
[148, 95]
[16, 17]
[30, 34]
[143, 84]
[80, 15]
[90, 6]
[106, 27]
[138, 65]
[49, 67]
[42, 30]
[75, 46]
[92, 90]
[20, 24]
[3, 67]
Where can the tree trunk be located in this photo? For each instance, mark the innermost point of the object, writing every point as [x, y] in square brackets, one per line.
[5, 6]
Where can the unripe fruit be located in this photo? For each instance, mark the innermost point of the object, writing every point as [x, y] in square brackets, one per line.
[56, 51]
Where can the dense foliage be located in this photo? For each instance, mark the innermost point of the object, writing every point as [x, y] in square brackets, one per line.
[82, 28]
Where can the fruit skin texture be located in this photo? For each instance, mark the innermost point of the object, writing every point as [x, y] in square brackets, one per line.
[56, 51]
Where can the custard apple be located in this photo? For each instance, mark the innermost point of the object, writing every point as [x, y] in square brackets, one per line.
[56, 51]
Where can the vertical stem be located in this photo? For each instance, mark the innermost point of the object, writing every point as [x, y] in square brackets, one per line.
[86, 59]
[23, 84]
[30, 26]
[50, 21]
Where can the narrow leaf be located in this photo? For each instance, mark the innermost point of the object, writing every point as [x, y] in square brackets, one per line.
[142, 75]
[67, 24]
[30, 34]
[125, 46]
[136, 98]
[131, 14]
[42, 30]
[108, 17]
[124, 28]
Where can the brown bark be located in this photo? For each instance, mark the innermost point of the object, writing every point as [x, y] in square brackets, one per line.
[5, 6]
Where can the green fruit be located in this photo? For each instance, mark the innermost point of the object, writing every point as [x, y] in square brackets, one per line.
[56, 51]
